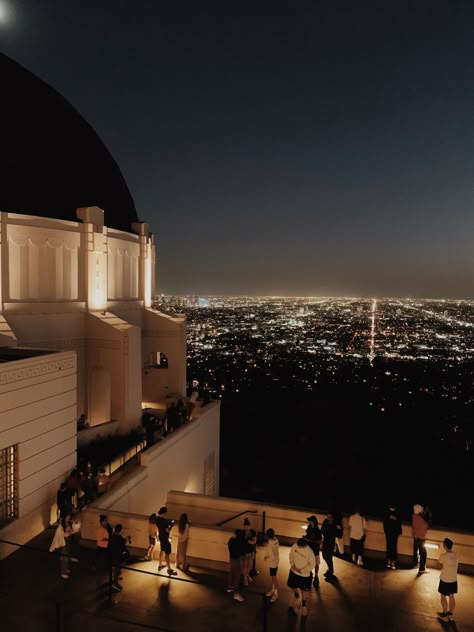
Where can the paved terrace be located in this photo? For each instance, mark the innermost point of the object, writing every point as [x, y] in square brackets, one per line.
[361, 599]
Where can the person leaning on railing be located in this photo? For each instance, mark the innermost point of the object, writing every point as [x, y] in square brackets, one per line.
[102, 482]
[104, 533]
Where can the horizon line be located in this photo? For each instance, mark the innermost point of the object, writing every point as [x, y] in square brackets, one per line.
[315, 296]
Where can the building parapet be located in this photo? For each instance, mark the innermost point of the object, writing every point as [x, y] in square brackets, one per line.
[208, 542]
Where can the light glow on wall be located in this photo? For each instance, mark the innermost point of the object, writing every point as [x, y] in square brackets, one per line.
[148, 292]
[97, 293]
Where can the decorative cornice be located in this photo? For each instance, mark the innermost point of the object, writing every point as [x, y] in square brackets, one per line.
[73, 344]
[27, 372]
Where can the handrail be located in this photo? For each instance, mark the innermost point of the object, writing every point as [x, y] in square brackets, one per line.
[223, 522]
[110, 601]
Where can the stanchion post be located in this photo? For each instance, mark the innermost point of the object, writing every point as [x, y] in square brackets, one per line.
[110, 599]
[58, 617]
[265, 606]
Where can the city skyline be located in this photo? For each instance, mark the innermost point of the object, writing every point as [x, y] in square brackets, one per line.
[393, 374]
[297, 149]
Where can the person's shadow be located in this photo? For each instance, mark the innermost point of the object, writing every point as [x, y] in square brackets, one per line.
[292, 620]
[163, 597]
[448, 625]
[348, 603]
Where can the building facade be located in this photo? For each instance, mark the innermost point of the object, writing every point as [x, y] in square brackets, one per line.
[77, 278]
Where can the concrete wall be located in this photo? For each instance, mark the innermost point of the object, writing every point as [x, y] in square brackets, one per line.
[56, 326]
[208, 541]
[168, 335]
[113, 347]
[38, 412]
[177, 460]
[55, 273]
[288, 521]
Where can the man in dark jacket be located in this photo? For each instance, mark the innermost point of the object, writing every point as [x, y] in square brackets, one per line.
[164, 529]
[235, 546]
[118, 554]
[330, 531]
[392, 526]
[314, 538]
[63, 501]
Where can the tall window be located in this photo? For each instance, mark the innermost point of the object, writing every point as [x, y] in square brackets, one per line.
[8, 484]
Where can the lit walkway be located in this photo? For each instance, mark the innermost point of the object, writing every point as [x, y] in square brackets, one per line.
[372, 599]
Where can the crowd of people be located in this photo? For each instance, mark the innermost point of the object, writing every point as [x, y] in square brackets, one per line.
[160, 424]
[81, 487]
[304, 555]
[112, 550]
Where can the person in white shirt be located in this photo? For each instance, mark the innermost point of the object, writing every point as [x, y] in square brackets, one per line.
[192, 402]
[448, 583]
[302, 562]
[59, 543]
[357, 530]
[183, 538]
[272, 559]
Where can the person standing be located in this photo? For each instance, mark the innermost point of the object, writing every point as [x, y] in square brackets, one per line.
[419, 527]
[63, 501]
[164, 529]
[357, 531]
[249, 550]
[183, 537]
[118, 555]
[152, 537]
[104, 533]
[71, 542]
[182, 412]
[314, 539]
[392, 526]
[235, 548]
[272, 558]
[192, 401]
[102, 482]
[302, 562]
[59, 543]
[339, 548]
[330, 530]
[448, 580]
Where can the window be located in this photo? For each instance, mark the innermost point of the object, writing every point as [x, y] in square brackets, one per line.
[8, 484]
[157, 360]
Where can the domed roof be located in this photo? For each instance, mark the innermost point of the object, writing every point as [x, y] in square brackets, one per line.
[51, 160]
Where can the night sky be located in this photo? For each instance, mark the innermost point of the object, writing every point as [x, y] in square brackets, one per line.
[278, 148]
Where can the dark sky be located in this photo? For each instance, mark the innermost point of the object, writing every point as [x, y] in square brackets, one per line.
[283, 148]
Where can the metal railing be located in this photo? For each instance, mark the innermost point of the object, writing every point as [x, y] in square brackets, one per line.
[62, 609]
[242, 513]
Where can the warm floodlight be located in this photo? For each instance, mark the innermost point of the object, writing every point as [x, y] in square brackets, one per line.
[429, 545]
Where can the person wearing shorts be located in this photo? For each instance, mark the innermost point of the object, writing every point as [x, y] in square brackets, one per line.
[152, 536]
[272, 559]
[302, 562]
[448, 580]
[164, 527]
